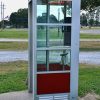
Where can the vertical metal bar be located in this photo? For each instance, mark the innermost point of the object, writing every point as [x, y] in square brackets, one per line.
[47, 37]
[65, 13]
[34, 46]
[58, 21]
[64, 29]
[1, 14]
[75, 49]
[3, 7]
[30, 46]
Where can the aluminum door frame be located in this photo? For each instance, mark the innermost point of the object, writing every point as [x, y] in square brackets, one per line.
[74, 48]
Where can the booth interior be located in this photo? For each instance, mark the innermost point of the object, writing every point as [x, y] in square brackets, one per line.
[53, 35]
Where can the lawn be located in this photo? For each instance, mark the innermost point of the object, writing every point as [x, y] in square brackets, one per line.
[90, 46]
[53, 34]
[89, 36]
[13, 77]
[14, 33]
[87, 28]
[89, 79]
[84, 45]
[13, 45]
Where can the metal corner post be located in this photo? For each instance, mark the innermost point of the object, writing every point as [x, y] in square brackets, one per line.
[32, 47]
[34, 44]
[75, 37]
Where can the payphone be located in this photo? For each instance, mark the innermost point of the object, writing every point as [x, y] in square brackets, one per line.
[53, 56]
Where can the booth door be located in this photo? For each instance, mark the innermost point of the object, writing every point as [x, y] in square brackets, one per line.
[53, 46]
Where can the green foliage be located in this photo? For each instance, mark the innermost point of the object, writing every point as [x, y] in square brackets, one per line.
[19, 18]
[91, 22]
[96, 23]
[43, 19]
[89, 5]
[83, 19]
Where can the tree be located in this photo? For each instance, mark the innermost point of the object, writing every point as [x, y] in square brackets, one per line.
[43, 19]
[83, 19]
[19, 18]
[53, 19]
[13, 19]
[96, 23]
[91, 22]
[89, 5]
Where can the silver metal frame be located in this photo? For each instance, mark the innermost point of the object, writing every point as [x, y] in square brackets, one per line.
[32, 47]
[30, 78]
[49, 72]
[53, 24]
[32, 22]
[54, 48]
[34, 37]
[75, 49]
[53, 96]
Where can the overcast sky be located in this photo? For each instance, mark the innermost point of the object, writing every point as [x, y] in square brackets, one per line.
[13, 6]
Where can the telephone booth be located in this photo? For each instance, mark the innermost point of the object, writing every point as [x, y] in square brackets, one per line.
[54, 27]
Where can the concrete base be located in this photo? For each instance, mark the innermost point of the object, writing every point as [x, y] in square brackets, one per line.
[23, 95]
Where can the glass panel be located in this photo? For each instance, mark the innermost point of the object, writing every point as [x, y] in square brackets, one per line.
[41, 61]
[48, 36]
[60, 36]
[59, 60]
[60, 14]
[41, 36]
[54, 11]
[41, 12]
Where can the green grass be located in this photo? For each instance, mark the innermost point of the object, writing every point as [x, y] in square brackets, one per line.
[13, 77]
[53, 34]
[89, 79]
[90, 36]
[14, 33]
[13, 45]
[87, 28]
[84, 45]
[13, 82]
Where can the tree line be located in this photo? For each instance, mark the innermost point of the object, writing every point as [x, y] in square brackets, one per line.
[20, 18]
[17, 19]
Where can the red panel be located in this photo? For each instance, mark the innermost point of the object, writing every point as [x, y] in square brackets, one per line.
[52, 67]
[53, 83]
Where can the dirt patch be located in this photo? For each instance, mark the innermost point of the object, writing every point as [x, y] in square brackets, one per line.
[90, 96]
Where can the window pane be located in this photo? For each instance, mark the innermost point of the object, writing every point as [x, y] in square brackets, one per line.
[60, 36]
[48, 36]
[41, 61]
[59, 60]
[54, 11]
[42, 11]
[41, 36]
